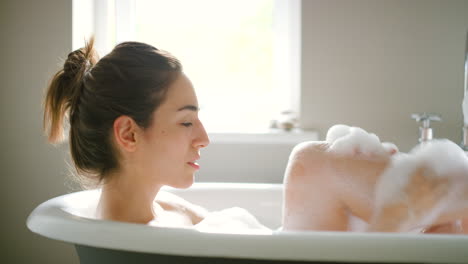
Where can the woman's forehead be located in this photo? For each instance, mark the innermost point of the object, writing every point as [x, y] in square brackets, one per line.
[181, 94]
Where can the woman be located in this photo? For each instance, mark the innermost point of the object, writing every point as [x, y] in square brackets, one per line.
[134, 128]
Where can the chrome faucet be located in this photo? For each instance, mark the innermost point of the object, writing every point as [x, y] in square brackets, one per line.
[425, 131]
[464, 143]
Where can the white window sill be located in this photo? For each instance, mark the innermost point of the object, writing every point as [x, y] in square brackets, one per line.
[280, 137]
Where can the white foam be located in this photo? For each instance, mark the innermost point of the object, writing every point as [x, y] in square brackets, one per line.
[390, 147]
[233, 220]
[442, 155]
[390, 187]
[337, 131]
[444, 158]
[354, 140]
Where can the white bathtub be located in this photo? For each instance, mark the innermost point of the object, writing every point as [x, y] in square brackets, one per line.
[66, 218]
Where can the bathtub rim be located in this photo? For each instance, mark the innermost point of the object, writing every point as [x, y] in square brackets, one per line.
[50, 220]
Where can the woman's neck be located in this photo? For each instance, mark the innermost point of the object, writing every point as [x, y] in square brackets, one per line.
[128, 199]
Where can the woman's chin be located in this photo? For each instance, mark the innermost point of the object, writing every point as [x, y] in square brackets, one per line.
[184, 183]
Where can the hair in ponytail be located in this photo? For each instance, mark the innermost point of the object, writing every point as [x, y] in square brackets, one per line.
[64, 90]
[132, 80]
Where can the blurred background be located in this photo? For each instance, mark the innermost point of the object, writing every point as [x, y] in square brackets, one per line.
[367, 63]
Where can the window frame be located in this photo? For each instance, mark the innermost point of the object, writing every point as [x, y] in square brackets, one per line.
[113, 21]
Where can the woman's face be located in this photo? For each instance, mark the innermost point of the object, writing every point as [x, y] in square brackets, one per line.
[171, 145]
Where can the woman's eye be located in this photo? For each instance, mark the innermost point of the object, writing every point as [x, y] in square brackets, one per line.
[187, 124]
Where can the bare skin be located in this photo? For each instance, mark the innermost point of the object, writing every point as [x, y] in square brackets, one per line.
[172, 210]
[164, 154]
[324, 190]
[165, 209]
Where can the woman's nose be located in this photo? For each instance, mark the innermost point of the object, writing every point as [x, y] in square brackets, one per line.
[202, 140]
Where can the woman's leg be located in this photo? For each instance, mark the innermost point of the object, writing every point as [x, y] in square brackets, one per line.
[310, 200]
[427, 202]
[323, 189]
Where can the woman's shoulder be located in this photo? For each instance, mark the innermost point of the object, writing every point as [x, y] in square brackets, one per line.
[172, 202]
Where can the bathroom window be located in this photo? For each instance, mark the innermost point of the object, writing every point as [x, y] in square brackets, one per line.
[241, 55]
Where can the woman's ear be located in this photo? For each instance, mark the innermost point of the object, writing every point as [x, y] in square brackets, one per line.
[124, 130]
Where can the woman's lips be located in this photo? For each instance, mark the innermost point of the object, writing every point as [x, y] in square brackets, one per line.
[194, 165]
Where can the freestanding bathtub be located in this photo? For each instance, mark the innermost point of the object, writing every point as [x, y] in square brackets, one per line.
[68, 218]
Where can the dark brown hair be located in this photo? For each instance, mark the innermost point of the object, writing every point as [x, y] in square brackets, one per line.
[90, 94]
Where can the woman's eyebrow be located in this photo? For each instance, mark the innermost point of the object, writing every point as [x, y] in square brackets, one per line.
[189, 107]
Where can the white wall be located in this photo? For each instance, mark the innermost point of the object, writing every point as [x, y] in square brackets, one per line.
[367, 63]
[263, 159]
[371, 63]
[35, 35]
